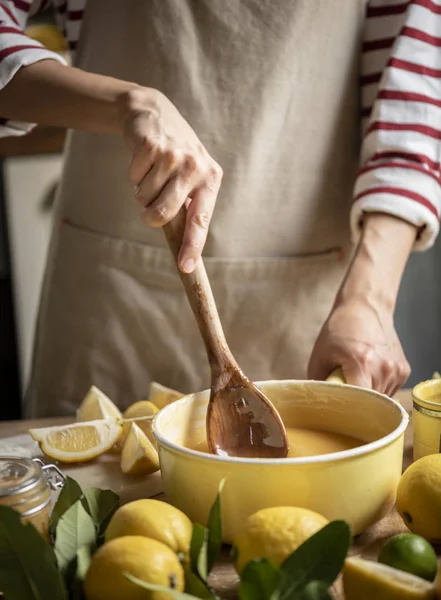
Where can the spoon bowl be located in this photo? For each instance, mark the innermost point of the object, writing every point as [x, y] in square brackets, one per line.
[240, 411]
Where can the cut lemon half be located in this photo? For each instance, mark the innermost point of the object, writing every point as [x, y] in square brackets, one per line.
[96, 405]
[368, 580]
[138, 456]
[161, 395]
[79, 442]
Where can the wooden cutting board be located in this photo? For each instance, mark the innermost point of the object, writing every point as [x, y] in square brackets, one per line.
[104, 472]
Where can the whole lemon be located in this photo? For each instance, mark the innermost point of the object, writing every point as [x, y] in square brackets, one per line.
[143, 558]
[153, 519]
[275, 533]
[419, 497]
[143, 408]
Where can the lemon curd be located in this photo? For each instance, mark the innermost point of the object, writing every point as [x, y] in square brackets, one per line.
[305, 442]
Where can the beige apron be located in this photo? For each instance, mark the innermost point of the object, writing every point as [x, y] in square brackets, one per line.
[271, 89]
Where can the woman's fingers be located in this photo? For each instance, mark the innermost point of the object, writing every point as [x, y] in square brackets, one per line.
[170, 165]
[199, 213]
[168, 186]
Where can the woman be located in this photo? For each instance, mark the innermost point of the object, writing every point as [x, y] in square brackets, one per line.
[177, 90]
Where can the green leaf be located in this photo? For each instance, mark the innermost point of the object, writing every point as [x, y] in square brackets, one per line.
[214, 541]
[315, 590]
[196, 587]
[320, 558]
[70, 493]
[260, 580]
[101, 506]
[74, 530]
[28, 568]
[83, 559]
[198, 551]
[159, 588]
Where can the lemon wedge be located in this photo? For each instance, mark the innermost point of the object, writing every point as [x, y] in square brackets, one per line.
[96, 405]
[78, 442]
[142, 414]
[368, 580]
[144, 423]
[161, 395]
[138, 456]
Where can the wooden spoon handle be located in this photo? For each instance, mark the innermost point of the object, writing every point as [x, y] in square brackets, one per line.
[200, 296]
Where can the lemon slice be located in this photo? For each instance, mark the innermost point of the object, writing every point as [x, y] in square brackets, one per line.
[138, 456]
[78, 442]
[143, 408]
[161, 395]
[96, 405]
[367, 580]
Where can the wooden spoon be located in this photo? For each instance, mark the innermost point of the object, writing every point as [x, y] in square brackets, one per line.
[241, 421]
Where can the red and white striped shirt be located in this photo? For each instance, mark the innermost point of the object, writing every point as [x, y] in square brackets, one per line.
[400, 172]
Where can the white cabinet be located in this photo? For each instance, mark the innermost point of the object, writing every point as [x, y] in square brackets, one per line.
[29, 183]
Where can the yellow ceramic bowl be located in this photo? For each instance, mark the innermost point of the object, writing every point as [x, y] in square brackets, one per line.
[426, 418]
[357, 485]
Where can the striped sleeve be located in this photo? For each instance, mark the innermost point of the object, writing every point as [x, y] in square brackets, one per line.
[18, 50]
[401, 92]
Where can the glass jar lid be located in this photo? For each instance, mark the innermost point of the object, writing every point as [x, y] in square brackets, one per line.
[18, 475]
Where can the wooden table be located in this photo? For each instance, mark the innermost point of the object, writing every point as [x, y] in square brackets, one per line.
[224, 579]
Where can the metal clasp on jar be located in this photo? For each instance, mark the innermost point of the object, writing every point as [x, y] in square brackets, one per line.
[54, 476]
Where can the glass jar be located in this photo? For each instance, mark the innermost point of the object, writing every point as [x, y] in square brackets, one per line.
[426, 418]
[26, 485]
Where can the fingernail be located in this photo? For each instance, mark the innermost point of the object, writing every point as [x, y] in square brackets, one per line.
[136, 189]
[188, 265]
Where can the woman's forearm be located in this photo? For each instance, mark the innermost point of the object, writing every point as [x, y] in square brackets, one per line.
[50, 93]
[380, 259]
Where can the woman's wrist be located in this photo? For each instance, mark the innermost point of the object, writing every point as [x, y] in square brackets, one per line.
[379, 261]
[136, 100]
[66, 97]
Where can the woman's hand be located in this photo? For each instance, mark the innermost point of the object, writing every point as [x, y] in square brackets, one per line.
[169, 168]
[359, 335]
[360, 338]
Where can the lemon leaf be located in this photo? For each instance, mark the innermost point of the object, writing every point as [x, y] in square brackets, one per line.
[214, 526]
[101, 506]
[198, 551]
[320, 558]
[260, 580]
[83, 559]
[315, 590]
[70, 493]
[206, 542]
[196, 587]
[74, 530]
[28, 567]
[159, 588]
